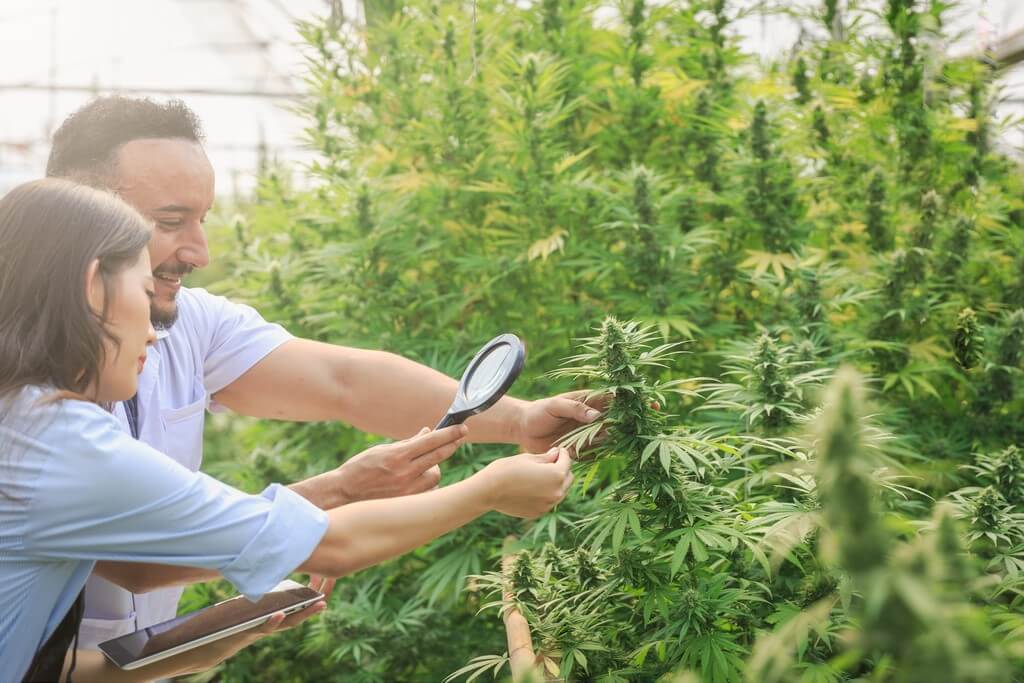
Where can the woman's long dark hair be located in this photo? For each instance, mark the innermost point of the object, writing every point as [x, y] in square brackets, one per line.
[50, 231]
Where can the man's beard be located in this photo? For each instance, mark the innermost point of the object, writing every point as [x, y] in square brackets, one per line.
[164, 319]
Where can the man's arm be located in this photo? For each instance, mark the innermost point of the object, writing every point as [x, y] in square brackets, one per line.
[141, 577]
[386, 394]
[374, 391]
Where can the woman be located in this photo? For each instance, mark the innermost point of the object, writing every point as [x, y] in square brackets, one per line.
[74, 488]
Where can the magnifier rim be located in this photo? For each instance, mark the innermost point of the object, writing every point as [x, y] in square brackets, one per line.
[519, 352]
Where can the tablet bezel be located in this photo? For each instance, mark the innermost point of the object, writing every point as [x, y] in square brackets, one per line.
[123, 659]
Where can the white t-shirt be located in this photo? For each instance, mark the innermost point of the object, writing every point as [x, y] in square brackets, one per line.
[213, 343]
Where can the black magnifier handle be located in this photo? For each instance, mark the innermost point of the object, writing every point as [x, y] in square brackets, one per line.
[449, 420]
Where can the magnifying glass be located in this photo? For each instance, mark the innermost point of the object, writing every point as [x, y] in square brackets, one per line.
[487, 377]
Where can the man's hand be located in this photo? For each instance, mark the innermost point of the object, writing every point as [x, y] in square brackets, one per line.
[386, 470]
[542, 423]
[400, 468]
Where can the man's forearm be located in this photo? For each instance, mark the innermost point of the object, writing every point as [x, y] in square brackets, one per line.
[374, 391]
[141, 577]
[387, 394]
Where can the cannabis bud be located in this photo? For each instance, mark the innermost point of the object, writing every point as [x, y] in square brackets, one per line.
[820, 125]
[801, 82]
[523, 578]
[968, 342]
[859, 541]
[877, 229]
[1008, 473]
[986, 512]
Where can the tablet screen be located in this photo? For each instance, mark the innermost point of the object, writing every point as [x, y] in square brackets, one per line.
[208, 621]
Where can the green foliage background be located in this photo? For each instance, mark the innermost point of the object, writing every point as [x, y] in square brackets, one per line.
[534, 167]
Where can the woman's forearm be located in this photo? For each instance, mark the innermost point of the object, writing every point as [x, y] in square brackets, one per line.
[365, 533]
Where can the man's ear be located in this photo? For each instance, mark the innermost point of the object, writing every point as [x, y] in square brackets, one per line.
[94, 289]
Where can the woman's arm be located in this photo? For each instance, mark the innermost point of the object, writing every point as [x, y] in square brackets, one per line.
[365, 533]
[381, 471]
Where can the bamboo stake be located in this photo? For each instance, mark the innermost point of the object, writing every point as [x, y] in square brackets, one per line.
[521, 657]
[527, 666]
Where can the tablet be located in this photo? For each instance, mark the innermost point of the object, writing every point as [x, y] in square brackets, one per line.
[194, 629]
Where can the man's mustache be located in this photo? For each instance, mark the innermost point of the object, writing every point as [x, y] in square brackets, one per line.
[182, 269]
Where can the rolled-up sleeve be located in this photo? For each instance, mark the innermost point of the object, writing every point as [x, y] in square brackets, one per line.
[106, 496]
[292, 530]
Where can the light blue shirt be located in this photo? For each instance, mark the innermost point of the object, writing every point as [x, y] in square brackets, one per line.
[74, 489]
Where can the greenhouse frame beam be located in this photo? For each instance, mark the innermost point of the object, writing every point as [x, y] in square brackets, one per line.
[218, 92]
[1010, 50]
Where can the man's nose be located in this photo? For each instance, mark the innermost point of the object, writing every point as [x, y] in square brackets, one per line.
[195, 251]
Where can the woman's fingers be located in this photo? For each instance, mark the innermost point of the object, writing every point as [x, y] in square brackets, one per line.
[293, 620]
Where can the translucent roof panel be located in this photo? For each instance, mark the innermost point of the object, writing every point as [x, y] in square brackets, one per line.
[233, 61]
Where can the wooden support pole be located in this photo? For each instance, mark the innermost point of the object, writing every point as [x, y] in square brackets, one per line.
[521, 658]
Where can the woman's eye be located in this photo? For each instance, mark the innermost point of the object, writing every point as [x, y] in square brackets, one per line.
[170, 223]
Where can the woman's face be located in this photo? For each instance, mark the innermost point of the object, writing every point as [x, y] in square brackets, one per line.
[128, 320]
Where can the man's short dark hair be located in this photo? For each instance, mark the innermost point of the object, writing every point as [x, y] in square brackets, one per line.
[86, 144]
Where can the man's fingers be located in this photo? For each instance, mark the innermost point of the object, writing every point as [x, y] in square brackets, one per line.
[424, 443]
[436, 456]
[426, 481]
[598, 400]
[322, 584]
[576, 410]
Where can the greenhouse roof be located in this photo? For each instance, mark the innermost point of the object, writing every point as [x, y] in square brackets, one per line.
[237, 63]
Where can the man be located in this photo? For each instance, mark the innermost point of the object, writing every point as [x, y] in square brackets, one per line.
[210, 350]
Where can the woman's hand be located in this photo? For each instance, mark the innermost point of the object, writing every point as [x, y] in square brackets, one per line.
[528, 485]
[372, 531]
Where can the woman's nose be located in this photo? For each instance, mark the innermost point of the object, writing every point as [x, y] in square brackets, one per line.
[150, 335]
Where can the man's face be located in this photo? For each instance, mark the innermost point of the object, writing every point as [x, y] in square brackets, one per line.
[171, 182]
